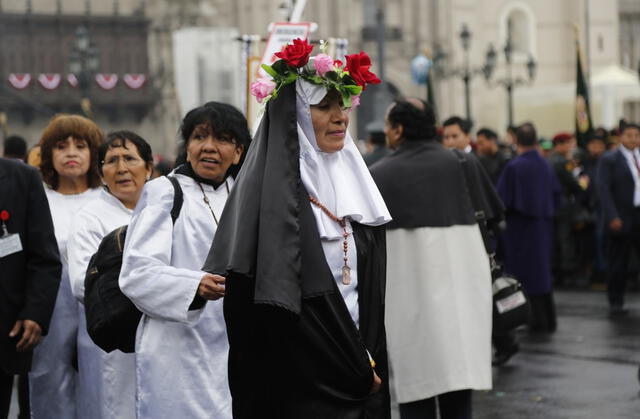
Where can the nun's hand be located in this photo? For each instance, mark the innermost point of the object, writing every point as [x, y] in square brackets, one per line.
[211, 287]
[377, 383]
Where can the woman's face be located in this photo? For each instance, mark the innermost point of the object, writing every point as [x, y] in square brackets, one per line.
[125, 172]
[211, 157]
[71, 158]
[330, 121]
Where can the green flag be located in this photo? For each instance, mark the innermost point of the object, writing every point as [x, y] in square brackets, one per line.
[584, 125]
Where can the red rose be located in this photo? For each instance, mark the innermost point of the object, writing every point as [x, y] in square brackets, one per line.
[296, 54]
[358, 67]
[4, 215]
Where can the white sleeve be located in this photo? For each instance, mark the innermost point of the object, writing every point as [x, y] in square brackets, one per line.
[84, 240]
[147, 277]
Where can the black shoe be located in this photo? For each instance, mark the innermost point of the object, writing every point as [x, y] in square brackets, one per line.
[501, 357]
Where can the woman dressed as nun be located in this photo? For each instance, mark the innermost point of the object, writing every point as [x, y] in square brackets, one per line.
[303, 250]
[181, 341]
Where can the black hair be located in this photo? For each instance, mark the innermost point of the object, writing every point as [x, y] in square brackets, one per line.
[119, 139]
[377, 138]
[417, 124]
[15, 147]
[488, 133]
[624, 125]
[597, 137]
[464, 124]
[526, 135]
[226, 123]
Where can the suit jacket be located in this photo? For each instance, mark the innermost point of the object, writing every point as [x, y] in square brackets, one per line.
[615, 186]
[29, 279]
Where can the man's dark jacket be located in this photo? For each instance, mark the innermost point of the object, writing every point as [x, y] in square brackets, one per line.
[615, 186]
[29, 279]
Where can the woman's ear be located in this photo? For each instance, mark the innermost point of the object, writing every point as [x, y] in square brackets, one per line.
[149, 171]
[238, 155]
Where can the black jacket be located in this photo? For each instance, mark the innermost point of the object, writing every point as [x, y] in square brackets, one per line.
[615, 186]
[29, 279]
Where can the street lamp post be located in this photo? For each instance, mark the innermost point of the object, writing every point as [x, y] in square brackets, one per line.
[83, 64]
[509, 82]
[466, 72]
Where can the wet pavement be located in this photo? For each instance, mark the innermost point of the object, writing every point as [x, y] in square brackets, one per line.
[588, 369]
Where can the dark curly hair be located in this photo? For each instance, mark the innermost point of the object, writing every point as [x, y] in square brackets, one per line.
[226, 122]
[60, 128]
[417, 124]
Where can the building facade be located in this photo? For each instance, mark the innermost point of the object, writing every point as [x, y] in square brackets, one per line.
[542, 29]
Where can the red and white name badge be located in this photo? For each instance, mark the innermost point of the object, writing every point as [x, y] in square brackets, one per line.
[9, 243]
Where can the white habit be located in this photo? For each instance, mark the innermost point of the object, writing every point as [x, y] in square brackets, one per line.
[53, 380]
[438, 311]
[181, 354]
[108, 378]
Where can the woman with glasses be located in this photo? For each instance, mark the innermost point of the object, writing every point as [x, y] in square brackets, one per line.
[69, 167]
[126, 163]
[181, 341]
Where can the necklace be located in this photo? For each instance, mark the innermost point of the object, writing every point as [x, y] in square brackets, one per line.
[346, 270]
[206, 200]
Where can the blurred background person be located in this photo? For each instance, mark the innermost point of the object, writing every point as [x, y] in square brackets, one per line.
[125, 165]
[571, 215]
[30, 275]
[69, 166]
[618, 185]
[456, 133]
[33, 157]
[530, 192]
[181, 342]
[492, 158]
[375, 143]
[592, 241]
[439, 279]
[15, 147]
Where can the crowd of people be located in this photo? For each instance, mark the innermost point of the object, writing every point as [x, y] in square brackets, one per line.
[284, 275]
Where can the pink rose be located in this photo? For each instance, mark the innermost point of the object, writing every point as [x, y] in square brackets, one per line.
[355, 101]
[322, 64]
[262, 88]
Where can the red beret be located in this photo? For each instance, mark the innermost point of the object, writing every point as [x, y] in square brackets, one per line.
[562, 137]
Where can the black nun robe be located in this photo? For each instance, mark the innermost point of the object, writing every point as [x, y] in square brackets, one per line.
[295, 351]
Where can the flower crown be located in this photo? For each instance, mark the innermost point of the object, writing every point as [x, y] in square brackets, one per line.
[348, 79]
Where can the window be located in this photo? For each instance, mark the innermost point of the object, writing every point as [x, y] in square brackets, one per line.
[518, 18]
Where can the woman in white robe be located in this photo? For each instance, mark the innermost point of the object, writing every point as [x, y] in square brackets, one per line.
[181, 342]
[69, 149]
[126, 163]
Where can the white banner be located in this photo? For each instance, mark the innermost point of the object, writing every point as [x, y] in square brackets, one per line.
[107, 81]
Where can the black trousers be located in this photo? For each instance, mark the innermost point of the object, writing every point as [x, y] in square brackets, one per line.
[543, 313]
[6, 385]
[618, 248]
[453, 405]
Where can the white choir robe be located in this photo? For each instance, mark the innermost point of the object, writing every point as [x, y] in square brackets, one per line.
[438, 311]
[53, 379]
[108, 379]
[181, 354]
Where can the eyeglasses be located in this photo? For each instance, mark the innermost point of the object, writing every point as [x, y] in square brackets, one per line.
[129, 161]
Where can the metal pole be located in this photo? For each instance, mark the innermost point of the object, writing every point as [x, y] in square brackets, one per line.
[298, 8]
[467, 95]
[510, 102]
[467, 84]
[380, 37]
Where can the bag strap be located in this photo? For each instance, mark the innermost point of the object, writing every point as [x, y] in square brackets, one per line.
[479, 214]
[177, 198]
